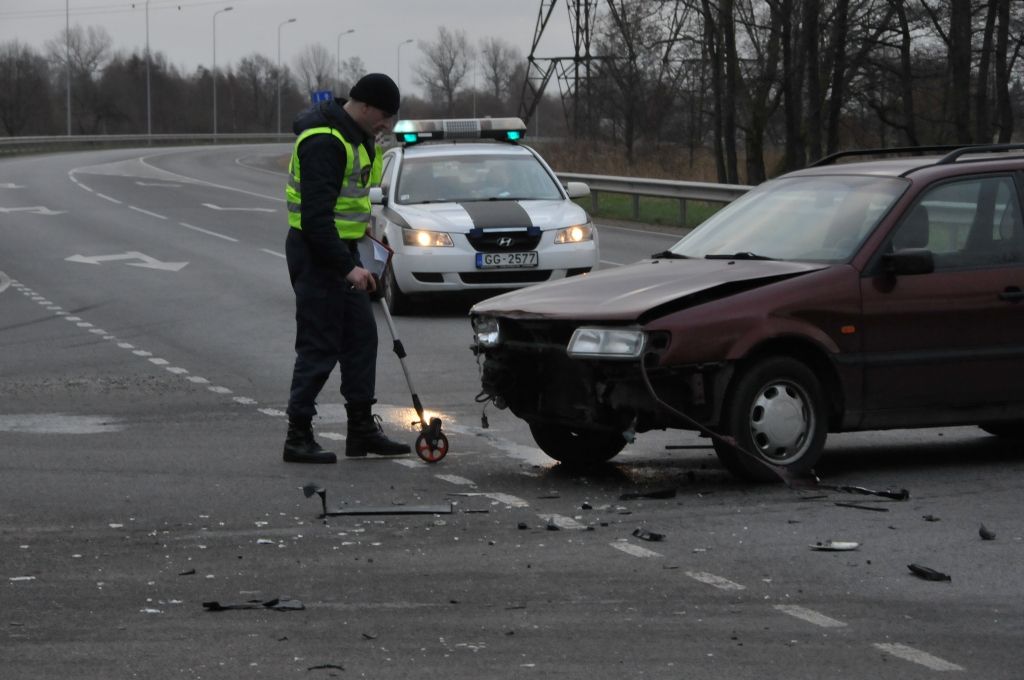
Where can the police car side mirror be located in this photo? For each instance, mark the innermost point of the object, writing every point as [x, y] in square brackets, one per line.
[577, 189]
[376, 196]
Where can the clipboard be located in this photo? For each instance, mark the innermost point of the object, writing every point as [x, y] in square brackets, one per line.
[374, 255]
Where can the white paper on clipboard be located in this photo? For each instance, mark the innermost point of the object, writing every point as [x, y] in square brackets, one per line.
[374, 255]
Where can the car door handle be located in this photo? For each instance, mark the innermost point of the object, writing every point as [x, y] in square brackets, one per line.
[1012, 294]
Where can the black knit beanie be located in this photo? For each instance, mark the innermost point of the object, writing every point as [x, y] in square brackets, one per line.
[377, 89]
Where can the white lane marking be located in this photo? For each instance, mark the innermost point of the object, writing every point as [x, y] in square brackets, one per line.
[84, 324]
[109, 198]
[197, 380]
[407, 463]
[563, 522]
[208, 232]
[507, 499]
[213, 206]
[333, 436]
[11, 185]
[217, 389]
[614, 264]
[716, 581]
[33, 210]
[142, 353]
[176, 370]
[271, 252]
[5, 281]
[122, 345]
[146, 212]
[143, 161]
[917, 656]
[246, 401]
[158, 361]
[455, 479]
[810, 616]
[275, 412]
[634, 550]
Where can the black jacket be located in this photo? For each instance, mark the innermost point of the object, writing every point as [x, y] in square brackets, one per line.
[322, 162]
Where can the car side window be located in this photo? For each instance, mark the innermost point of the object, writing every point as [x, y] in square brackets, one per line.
[966, 224]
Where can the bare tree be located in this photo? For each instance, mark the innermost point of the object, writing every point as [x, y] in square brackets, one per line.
[23, 87]
[315, 68]
[498, 61]
[89, 50]
[352, 69]
[446, 64]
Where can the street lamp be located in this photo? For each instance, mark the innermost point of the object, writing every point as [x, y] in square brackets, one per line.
[289, 21]
[398, 59]
[226, 9]
[149, 110]
[338, 54]
[67, 57]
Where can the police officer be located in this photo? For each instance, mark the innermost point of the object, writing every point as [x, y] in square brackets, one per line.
[331, 170]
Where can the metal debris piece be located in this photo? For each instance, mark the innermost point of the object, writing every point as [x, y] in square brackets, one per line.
[862, 507]
[927, 573]
[325, 666]
[586, 506]
[187, 572]
[310, 489]
[522, 525]
[656, 493]
[986, 534]
[645, 535]
[930, 518]
[440, 509]
[835, 546]
[551, 526]
[278, 603]
[900, 495]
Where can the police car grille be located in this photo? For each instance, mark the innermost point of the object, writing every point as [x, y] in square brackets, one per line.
[501, 276]
[503, 241]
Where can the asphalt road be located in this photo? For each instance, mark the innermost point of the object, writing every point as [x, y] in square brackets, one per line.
[145, 351]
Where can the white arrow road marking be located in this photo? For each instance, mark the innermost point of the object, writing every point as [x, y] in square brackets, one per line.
[34, 209]
[211, 206]
[147, 261]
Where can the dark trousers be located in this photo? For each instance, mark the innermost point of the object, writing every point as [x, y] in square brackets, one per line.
[334, 325]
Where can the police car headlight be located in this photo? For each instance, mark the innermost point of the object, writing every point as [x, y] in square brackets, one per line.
[426, 239]
[486, 331]
[577, 233]
[607, 343]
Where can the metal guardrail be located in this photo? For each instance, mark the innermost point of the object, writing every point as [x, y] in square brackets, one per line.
[634, 187]
[658, 188]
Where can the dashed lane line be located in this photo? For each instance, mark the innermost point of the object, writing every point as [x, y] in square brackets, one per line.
[715, 581]
[810, 616]
[634, 550]
[271, 252]
[925, 659]
[208, 232]
[147, 212]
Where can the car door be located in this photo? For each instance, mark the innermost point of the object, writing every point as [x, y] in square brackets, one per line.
[948, 346]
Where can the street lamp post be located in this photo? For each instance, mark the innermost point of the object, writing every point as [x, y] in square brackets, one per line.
[149, 110]
[288, 21]
[337, 56]
[226, 9]
[67, 57]
[398, 60]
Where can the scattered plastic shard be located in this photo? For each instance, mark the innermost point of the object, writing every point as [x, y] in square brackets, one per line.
[900, 495]
[986, 534]
[325, 666]
[835, 546]
[930, 518]
[657, 493]
[645, 535]
[310, 489]
[927, 573]
[278, 603]
[440, 509]
[187, 572]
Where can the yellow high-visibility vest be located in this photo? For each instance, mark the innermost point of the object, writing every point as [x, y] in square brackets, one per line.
[352, 209]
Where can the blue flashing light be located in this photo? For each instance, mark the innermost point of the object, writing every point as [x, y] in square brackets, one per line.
[410, 137]
[514, 135]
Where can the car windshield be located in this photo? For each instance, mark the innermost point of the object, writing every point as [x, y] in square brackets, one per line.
[460, 178]
[818, 219]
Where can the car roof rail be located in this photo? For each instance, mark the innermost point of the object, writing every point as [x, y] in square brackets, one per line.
[892, 151]
[978, 148]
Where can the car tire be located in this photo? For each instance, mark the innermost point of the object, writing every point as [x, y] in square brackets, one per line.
[576, 448]
[776, 412]
[1011, 430]
[398, 302]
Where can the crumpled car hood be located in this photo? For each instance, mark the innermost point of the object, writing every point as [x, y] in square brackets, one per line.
[625, 293]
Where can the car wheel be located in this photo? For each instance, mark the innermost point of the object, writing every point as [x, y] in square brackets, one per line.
[777, 412]
[1007, 430]
[576, 447]
[397, 301]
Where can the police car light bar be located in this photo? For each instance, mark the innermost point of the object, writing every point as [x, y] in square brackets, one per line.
[503, 129]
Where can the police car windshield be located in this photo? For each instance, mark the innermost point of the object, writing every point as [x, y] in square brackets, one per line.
[462, 178]
[812, 218]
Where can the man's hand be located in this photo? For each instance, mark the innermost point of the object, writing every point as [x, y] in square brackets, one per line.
[361, 279]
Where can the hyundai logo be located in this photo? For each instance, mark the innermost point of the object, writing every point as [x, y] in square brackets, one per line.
[505, 241]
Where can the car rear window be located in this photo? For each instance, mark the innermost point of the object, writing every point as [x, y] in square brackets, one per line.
[816, 219]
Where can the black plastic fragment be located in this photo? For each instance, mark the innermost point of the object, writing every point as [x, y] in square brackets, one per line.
[862, 507]
[278, 604]
[986, 534]
[927, 573]
[645, 535]
[656, 493]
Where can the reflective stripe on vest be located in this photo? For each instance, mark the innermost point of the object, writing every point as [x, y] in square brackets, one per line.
[352, 209]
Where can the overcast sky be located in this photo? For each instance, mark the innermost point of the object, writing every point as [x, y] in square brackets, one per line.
[183, 29]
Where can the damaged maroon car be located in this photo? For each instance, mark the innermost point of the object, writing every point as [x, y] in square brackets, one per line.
[847, 296]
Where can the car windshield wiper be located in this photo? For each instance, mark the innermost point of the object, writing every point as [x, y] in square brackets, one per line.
[744, 255]
[668, 255]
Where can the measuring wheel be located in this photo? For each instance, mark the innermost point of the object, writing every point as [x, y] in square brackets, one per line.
[432, 444]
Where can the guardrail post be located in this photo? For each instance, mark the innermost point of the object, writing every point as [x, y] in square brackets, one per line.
[593, 201]
[636, 207]
[682, 212]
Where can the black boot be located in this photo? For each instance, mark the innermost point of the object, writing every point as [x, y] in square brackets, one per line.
[300, 447]
[365, 434]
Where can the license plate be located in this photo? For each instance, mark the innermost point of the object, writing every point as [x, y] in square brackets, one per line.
[502, 260]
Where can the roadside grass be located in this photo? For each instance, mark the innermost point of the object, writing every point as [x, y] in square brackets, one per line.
[651, 210]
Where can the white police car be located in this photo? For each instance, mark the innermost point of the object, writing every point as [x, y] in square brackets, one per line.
[466, 207]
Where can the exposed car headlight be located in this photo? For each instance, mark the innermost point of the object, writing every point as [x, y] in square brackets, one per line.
[607, 343]
[486, 331]
[577, 233]
[426, 239]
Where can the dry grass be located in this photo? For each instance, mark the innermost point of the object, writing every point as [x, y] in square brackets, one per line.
[665, 161]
